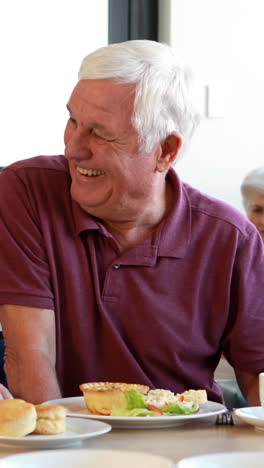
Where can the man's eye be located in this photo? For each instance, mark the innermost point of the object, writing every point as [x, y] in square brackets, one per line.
[97, 135]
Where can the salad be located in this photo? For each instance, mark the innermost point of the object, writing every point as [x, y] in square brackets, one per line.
[155, 403]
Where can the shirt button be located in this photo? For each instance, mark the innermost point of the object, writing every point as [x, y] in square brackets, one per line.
[117, 265]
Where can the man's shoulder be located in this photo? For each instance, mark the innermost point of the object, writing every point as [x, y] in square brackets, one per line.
[37, 175]
[215, 210]
[56, 163]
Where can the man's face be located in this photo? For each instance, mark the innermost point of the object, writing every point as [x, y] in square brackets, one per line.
[110, 176]
[256, 211]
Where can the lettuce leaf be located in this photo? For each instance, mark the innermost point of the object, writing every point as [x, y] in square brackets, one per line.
[134, 399]
[136, 406]
[180, 407]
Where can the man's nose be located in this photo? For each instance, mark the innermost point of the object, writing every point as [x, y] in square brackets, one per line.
[78, 146]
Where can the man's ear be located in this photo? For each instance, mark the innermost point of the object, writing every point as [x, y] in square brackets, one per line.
[170, 148]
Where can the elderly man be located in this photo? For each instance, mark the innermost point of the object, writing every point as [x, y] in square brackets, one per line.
[112, 268]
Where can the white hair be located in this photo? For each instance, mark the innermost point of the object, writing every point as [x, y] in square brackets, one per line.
[254, 180]
[163, 102]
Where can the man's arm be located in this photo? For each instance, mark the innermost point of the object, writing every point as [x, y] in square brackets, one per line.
[249, 386]
[30, 353]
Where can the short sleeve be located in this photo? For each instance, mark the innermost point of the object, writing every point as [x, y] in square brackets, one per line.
[243, 344]
[24, 272]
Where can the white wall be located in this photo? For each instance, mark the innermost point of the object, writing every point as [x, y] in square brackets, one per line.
[42, 43]
[222, 41]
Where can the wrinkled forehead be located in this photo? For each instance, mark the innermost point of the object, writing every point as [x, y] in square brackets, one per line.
[105, 94]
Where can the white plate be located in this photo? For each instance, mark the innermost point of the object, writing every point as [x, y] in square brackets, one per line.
[76, 408]
[253, 415]
[85, 458]
[77, 429]
[224, 460]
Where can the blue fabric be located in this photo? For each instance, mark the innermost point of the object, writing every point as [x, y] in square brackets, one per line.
[232, 394]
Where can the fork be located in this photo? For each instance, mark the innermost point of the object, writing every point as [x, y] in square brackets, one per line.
[225, 419]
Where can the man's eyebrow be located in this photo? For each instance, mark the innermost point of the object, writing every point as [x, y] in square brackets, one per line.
[93, 124]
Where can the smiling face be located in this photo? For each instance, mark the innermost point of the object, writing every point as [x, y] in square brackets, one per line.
[111, 178]
[255, 211]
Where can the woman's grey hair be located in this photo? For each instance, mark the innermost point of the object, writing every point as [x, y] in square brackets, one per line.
[254, 180]
[163, 97]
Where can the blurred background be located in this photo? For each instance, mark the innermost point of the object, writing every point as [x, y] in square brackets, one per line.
[43, 43]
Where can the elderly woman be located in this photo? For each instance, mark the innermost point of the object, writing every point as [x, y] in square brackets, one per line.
[252, 189]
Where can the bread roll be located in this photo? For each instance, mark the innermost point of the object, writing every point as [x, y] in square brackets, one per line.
[17, 418]
[102, 397]
[51, 419]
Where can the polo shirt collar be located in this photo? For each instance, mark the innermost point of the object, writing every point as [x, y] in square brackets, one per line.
[82, 220]
[175, 230]
[173, 235]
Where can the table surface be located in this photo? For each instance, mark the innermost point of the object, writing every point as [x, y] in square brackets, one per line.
[194, 438]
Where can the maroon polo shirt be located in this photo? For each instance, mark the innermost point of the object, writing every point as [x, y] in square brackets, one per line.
[160, 313]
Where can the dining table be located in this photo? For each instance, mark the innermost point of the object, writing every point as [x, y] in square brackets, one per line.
[196, 437]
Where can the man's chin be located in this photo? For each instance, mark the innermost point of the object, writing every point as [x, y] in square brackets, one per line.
[92, 207]
[95, 204]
